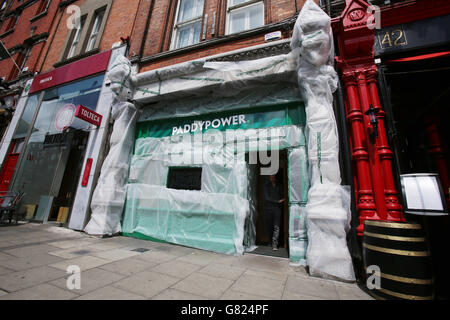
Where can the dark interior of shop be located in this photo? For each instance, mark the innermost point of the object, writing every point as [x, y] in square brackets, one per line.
[416, 98]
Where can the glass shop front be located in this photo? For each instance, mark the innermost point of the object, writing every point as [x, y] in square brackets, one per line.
[50, 164]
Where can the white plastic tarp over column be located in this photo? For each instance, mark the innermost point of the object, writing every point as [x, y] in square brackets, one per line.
[109, 196]
[328, 207]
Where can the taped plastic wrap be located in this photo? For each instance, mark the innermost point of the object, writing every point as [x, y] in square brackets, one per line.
[298, 235]
[225, 173]
[327, 210]
[298, 196]
[208, 221]
[109, 196]
[265, 95]
[223, 78]
[252, 217]
[328, 224]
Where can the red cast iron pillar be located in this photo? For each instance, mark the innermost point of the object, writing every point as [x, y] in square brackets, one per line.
[377, 197]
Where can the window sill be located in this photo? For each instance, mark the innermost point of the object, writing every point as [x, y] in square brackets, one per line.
[75, 58]
[38, 16]
[6, 33]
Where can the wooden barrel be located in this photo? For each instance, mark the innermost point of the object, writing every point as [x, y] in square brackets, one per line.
[401, 252]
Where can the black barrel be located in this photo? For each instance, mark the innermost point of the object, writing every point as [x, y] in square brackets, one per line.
[401, 252]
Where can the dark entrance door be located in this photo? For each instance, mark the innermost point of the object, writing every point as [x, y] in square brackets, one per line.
[62, 204]
[264, 223]
[416, 97]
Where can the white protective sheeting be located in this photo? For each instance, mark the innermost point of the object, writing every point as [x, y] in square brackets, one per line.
[327, 210]
[210, 221]
[109, 196]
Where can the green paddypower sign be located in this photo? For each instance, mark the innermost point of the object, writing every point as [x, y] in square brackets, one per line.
[259, 118]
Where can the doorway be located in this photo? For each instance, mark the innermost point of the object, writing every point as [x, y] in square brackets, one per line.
[416, 96]
[263, 223]
[62, 203]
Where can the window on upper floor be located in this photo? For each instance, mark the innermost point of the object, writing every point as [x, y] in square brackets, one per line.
[11, 23]
[43, 6]
[88, 36]
[244, 15]
[75, 38]
[188, 23]
[98, 19]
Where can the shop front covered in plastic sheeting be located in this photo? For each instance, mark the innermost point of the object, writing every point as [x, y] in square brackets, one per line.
[192, 179]
[206, 131]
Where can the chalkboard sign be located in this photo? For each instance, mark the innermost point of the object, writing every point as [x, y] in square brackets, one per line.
[185, 178]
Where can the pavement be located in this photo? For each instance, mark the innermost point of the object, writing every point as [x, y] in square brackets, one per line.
[34, 259]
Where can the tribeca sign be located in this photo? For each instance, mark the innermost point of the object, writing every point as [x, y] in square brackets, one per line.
[88, 115]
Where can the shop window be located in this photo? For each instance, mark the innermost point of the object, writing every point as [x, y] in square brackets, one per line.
[19, 59]
[244, 15]
[75, 38]
[43, 155]
[184, 178]
[188, 23]
[95, 29]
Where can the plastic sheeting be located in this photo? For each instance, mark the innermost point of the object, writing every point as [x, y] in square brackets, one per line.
[327, 210]
[224, 78]
[109, 196]
[298, 197]
[209, 221]
[226, 177]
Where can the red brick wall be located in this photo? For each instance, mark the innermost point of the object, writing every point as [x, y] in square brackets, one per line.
[22, 32]
[120, 23]
[161, 25]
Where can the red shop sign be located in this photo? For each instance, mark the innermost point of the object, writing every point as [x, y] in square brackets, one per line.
[73, 71]
[88, 115]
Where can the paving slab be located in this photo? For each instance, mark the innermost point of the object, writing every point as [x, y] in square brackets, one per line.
[5, 257]
[90, 280]
[128, 266]
[236, 295]
[20, 264]
[201, 258]
[351, 292]
[204, 285]
[289, 295]
[312, 287]
[262, 263]
[4, 270]
[222, 271]
[267, 274]
[146, 283]
[40, 292]
[28, 278]
[74, 252]
[115, 254]
[173, 294]
[31, 250]
[67, 244]
[110, 293]
[177, 269]
[257, 285]
[156, 257]
[85, 263]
